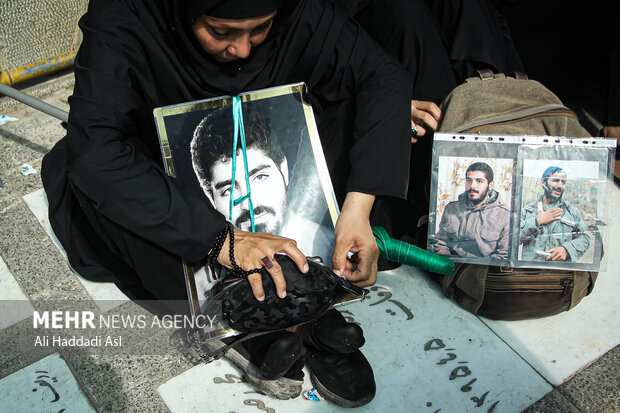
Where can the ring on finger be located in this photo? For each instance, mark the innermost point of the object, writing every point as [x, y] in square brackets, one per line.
[267, 262]
[414, 130]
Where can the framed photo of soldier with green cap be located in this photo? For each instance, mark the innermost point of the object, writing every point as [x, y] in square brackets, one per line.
[563, 205]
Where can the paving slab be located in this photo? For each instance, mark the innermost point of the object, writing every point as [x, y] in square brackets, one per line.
[106, 294]
[597, 388]
[427, 354]
[45, 386]
[14, 305]
[34, 133]
[140, 399]
[553, 402]
[42, 273]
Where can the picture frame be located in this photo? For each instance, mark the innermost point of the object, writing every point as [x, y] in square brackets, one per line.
[452, 157]
[291, 191]
[463, 226]
[583, 202]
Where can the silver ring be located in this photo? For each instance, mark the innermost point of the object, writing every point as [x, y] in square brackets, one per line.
[414, 130]
[267, 262]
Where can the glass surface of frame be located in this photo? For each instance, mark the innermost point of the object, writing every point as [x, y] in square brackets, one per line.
[288, 178]
[492, 203]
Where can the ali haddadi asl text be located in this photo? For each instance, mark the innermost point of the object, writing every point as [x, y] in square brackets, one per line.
[81, 341]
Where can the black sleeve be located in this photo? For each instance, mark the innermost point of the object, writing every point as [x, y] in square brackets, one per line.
[104, 160]
[379, 91]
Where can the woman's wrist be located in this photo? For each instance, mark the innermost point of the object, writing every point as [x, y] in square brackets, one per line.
[223, 251]
[358, 203]
[221, 240]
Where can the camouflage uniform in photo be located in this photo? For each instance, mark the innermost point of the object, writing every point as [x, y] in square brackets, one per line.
[569, 232]
[495, 104]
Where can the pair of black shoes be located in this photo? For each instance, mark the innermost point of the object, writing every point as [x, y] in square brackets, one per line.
[338, 369]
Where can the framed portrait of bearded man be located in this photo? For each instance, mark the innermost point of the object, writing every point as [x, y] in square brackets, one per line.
[472, 193]
[281, 184]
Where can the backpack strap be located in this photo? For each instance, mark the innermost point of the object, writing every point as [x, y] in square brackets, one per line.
[485, 74]
[518, 75]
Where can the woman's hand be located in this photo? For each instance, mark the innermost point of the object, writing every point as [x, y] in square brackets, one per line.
[250, 248]
[354, 235]
[425, 116]
[611, 132]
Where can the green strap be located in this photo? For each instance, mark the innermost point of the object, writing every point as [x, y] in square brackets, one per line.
[405, 253]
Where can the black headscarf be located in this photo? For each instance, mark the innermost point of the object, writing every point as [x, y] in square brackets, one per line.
[230, 9]
[297, 48]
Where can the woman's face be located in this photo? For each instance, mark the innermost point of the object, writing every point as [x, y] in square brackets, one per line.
[227, 39]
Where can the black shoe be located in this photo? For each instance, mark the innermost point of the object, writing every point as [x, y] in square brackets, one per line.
[296, 372]
[284, 388]
[275, 353]
[343, 379]
[331, 333]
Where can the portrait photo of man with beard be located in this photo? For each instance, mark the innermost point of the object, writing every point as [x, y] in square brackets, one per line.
[477, 224]
[280, 185]
[267, 183]
[552, 229]
[267, 169]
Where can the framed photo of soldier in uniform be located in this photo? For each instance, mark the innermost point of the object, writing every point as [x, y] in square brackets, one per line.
[562, 206]
[281, 184]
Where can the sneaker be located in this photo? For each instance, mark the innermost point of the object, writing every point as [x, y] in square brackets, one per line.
[331, 333]
[284, 388]
[344, 379]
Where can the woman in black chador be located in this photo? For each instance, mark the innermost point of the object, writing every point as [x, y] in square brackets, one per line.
[122, 219]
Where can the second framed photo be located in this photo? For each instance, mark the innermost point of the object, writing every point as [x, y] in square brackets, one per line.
[562, 205]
